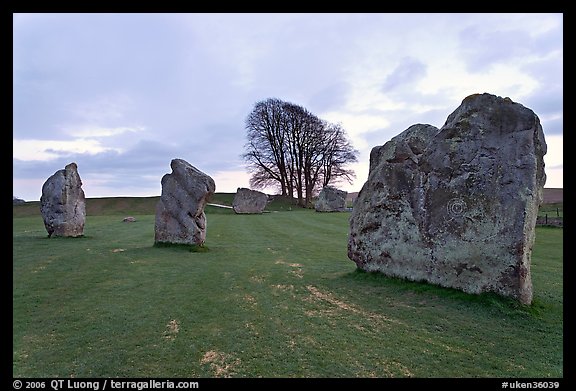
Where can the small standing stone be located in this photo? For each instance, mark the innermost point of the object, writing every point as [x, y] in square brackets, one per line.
[63, 205]
[249, 201]
[331, 199]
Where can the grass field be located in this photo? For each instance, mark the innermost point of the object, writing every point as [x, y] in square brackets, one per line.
[552, 210]
[275, 296]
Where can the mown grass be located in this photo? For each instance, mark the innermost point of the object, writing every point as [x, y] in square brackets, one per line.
[275, 296]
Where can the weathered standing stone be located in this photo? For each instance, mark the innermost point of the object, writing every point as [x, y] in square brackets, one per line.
[180, 216]
[249, 201]
[62, 204]
[456, 206]
[331, 199]
[17, 201]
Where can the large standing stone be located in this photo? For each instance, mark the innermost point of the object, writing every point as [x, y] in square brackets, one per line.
[62, 204]
[456, 206]
[331, 199]
[180, 216]
[249, 201]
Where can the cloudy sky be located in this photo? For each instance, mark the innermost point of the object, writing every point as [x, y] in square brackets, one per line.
[123, 94]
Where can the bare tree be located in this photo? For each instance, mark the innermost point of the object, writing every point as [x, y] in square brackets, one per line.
[265, 147]
[338, 153]
[291, 149]
[302, 128]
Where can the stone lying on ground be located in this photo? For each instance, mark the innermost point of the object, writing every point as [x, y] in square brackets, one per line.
[331, 199]
[249, 201]
[456, 206]
[129, 219]
[180, 216]
[62, 204]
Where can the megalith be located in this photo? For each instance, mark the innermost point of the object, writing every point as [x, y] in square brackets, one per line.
[456, 206]
[249, 201]
[180, 216]
[331, 199]
[63, 204]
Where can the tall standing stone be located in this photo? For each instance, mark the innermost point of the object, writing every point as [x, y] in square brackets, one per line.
[456, 206]
[331, 199]
[62, 204]
[180, 216]
[249, 201]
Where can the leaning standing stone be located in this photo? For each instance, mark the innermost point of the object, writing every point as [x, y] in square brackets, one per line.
[63, 205]
[180, 216]
[456, 206]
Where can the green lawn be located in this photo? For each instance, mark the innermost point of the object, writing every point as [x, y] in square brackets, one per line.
[275, 296]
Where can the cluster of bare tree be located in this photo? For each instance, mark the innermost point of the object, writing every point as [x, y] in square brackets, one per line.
[293, 150]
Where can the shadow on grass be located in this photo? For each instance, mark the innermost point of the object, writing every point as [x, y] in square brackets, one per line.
[193, 248]
[54, 238]
[488, 300]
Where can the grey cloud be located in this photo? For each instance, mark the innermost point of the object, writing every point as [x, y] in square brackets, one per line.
[190, 80]
[547, 101]
[147, 158]
[332, 97]
[407, 72]
[76, 60]
[144, 157]
[483, 47]
[553, 126]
